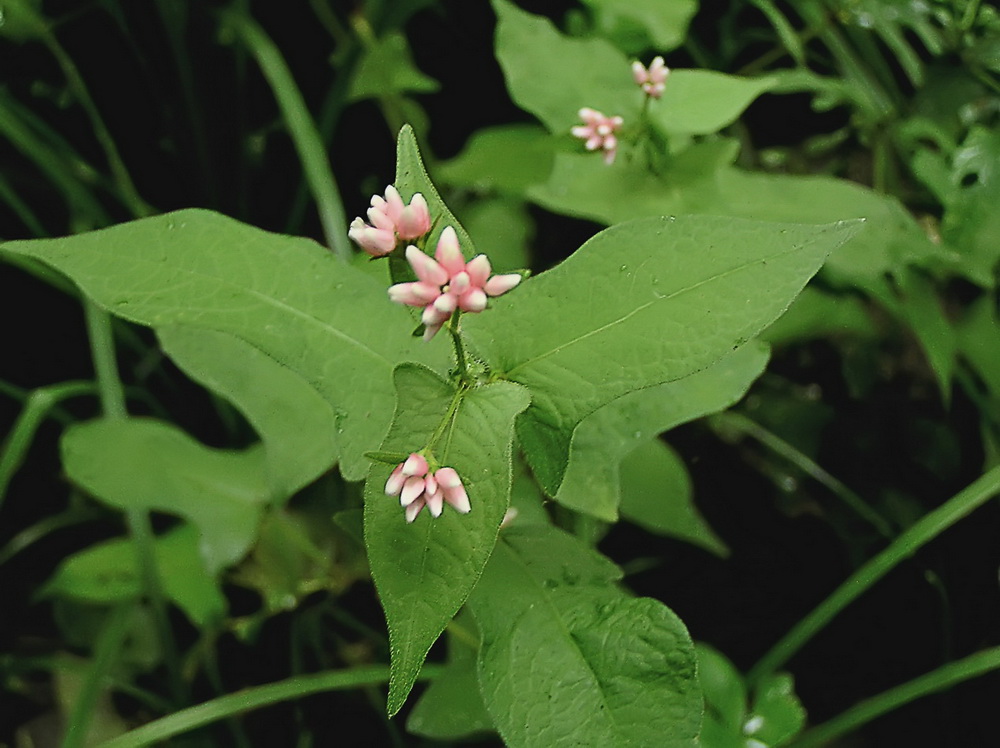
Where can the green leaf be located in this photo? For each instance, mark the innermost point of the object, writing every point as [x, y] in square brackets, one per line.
[411, 177]
[777, 713]
[978, 333]
[288, 297]
[604, 438]
[722, 684]
[387, 69]
[568, 659]
[817, 314]
[141, 463]
[424, 572]
[641, 303]
[504, 230]
[553, 76]
[451, 707]
[665, 23]
[109, 572]
[505, 158]
[699, 102]
[657, 494]
[293, 420]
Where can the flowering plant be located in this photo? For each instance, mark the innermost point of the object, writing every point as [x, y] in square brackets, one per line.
[390, 444]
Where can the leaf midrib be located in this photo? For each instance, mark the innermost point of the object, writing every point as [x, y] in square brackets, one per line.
[668, 297]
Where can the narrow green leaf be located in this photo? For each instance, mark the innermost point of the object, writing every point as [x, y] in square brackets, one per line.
[553, 76]
[642, 303]
[424, 572]
[295, 423]
[140, 463]
[657, 494]
[699, 102]
[568, 659]
[411, 177]
[109, 572]
[292, 300]
[605, 437]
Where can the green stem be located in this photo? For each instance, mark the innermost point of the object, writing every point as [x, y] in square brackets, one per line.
[452, 408]
[867, 710]
[37, 407]
[744, 425]
[140, 527]
[255, 698]
[302, 129]
[456, 338]
[129, 194]
[102, 348]
[33, 533]
[106, 651]
[930, 526]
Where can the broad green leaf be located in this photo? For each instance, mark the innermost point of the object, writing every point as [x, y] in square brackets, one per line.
[664, 23]
[699, 180]
[553, 76]
[971, 222]
[288, 297]
[295, 423]
[387, 69]
[505, 158]
[109, 572]
[699, 102]
[451, 707]
[639, 304]
[424, 572]
[605, 437]
[569, 659]
[141, 463]
[657, 494]
[22, 20]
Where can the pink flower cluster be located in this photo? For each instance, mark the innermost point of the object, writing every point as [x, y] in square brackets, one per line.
[653, 80]
[390, 218]
[417, 487]
[449, 283]
[599, 132]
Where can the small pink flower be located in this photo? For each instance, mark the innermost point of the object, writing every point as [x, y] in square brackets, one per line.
[417, 488]
[653, 80]
[390, 218]
[598, 131]
[447, 282]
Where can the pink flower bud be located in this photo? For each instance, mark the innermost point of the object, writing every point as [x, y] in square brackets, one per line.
[425, 267]
[415, 220]
[501, 284]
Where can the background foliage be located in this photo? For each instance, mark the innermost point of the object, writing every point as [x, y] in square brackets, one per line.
[859, 412]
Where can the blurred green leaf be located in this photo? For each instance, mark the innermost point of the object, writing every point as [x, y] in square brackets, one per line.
[818, 314]
[140, 463]
[603, 439]
[657, 495]
[699, 102]
[108, 572]
[424, 572]
[387, 68]
[505, 159]
[725, 696]
[503, 229]
[664, 24]
[641, 303]
[568, 659]
[552, 76]
[777, 714]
